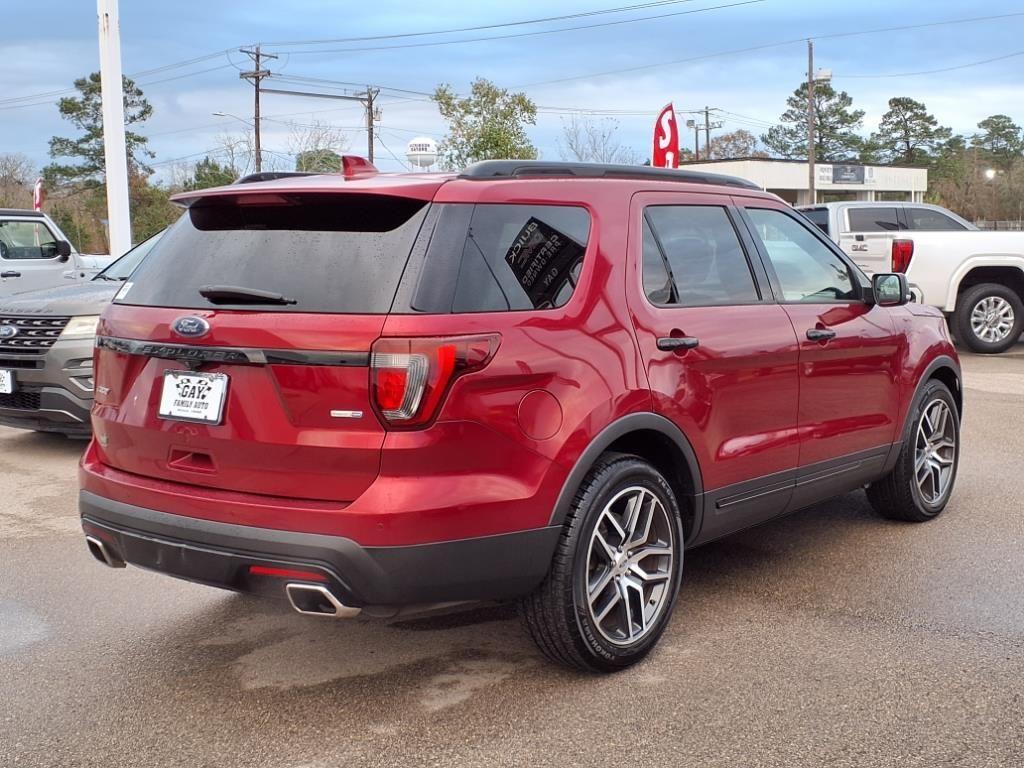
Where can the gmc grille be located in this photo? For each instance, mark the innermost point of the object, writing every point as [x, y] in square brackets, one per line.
[32, 335]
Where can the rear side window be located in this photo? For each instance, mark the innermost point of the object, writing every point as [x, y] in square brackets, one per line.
[873, 220]
[818, 217]
[927, 220]
[693, 258]
[328, 253]
[501, 257]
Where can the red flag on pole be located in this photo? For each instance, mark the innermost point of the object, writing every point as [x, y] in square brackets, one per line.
[38, 195]
[666, 139]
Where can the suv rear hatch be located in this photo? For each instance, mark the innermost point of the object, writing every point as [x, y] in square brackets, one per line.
[237, 357]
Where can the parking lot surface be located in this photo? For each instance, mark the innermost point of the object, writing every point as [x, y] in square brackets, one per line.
[828, 637]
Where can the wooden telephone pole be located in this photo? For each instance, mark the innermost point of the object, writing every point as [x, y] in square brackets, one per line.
[254, 76]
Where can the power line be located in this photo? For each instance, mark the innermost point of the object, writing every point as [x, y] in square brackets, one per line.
[134, 75]
[765, 46]
[528, 34]
[481, 27]
[934, 71]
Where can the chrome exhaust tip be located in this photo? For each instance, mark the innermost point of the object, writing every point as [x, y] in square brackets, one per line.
[316, 600]
[102, 553]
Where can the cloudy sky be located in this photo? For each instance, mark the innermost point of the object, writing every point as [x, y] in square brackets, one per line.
[732, 55]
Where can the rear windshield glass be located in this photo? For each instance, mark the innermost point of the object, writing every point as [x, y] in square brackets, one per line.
[502, 257]
[326, 253]
[818, 217]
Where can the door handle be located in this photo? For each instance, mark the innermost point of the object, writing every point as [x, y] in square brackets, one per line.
[677, 343]
[10, 274]
[820, 334]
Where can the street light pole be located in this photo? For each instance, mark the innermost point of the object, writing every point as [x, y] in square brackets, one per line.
[115, 148]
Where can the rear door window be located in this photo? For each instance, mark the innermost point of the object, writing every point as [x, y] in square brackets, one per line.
[693, 258]
[341, 253]
[502, 257]
[873, 220]
[927, 220]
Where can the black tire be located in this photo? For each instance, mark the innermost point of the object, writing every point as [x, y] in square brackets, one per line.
[965, 308]
[558, 615]
[898, 496]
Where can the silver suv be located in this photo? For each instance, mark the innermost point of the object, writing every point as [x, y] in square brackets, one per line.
[46, 345]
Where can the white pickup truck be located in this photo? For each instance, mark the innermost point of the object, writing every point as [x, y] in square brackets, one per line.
[35, 254]
[975, 277]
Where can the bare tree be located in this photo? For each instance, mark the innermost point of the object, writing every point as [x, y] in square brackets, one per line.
[238, 151]
[317, 147]
[17, 175]
[594, 141]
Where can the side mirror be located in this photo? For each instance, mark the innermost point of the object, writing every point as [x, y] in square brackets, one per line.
[63, 250]
[891, 290]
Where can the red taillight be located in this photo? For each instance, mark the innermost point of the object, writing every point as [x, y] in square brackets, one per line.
[902, 253]
[409, 377]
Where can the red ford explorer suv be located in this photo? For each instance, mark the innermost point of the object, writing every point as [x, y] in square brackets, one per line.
[529, 381]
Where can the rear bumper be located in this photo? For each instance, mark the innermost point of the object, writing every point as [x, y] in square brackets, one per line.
[220, 554]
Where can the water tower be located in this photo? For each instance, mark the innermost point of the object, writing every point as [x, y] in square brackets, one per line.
[421, 152]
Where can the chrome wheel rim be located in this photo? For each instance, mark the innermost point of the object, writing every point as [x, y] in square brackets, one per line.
[992, 319]
[630, 564]
[935, 454]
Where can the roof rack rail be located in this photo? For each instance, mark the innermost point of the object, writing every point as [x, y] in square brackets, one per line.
[517, 169]
[20, 212]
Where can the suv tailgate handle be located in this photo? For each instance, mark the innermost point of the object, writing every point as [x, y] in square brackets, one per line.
[677, 343]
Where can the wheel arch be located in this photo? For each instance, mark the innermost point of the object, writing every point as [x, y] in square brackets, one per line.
[658, 441]
[945, 369]
[972, 273]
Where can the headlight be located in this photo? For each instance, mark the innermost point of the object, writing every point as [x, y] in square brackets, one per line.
[83, 327]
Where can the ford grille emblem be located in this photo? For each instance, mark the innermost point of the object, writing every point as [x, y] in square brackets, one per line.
[8, 331]
[191, 327]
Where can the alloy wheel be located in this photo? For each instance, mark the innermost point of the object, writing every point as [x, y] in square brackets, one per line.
[935, 454]
[992, 319]
[630, 564]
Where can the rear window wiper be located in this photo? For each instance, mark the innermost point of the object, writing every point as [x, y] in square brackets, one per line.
[234, 294]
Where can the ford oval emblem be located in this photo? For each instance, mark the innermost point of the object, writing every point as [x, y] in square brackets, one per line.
[8, 331]
[190, 327]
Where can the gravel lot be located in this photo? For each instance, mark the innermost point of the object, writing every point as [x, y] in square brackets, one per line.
[829, 637]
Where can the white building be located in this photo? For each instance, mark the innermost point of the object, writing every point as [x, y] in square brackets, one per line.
[835, 182]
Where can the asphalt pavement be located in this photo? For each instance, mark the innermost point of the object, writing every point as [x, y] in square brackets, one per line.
[830, 637]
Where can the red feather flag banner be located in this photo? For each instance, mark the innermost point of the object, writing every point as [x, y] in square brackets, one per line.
[38, 195]
[666, 139]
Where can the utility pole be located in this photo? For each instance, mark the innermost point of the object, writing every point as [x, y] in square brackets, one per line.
[811, 149]
[708, 125]
[115, 148]
[371, 94]
[254, 76]
[366, 99]
[696, 138]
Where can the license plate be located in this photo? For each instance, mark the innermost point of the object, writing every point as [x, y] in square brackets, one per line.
[6, 382]
[195, 397]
